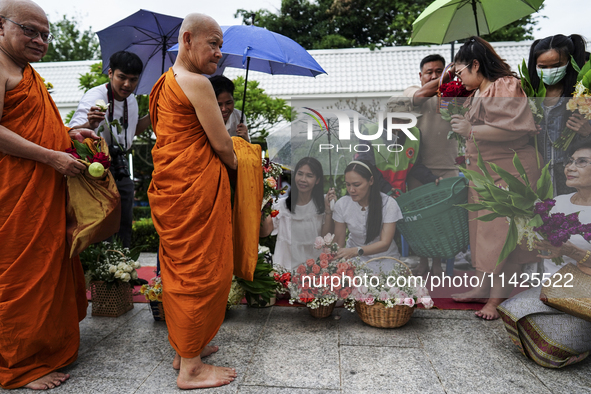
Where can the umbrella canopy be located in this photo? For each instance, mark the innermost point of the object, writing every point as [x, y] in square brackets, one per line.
[269, 52]
[449, 20]
[147, 34]
[290, 144]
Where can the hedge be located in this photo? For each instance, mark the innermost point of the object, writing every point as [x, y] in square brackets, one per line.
[141, 213]
[144, 234]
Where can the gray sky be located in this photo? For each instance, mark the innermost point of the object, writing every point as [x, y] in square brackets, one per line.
[564, 16]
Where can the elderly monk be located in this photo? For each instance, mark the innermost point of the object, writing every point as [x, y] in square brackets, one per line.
[190, 200]
[42, 296]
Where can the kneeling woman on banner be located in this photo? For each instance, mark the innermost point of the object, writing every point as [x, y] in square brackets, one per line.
[369, 215]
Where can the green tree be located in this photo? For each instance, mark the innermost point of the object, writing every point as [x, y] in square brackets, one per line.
[324, 24]
[261, 110]
[70, 43]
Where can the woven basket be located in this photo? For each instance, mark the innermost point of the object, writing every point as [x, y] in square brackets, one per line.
[111, 302]
[157, 310]
[322, 311]
[377, 315]
[433, 224]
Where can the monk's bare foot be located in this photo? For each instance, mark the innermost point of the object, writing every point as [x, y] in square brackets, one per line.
[176, 363]
[489, 311]
[208, 350]
[195, 375]
[49, 381]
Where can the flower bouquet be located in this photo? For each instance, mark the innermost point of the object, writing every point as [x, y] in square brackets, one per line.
[94, 154]
[452, 96]
[111, 273]
[236, 294]
[271, 172]
[526, 210]
[260, 292]
[319, 283]
[387, 299]
[581, 102]
[153, 294]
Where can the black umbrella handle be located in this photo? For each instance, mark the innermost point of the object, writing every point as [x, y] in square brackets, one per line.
[245, 85]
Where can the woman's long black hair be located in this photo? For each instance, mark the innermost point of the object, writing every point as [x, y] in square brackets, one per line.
[317, 191]
[492, 67]
[573, 45]
[374, 212]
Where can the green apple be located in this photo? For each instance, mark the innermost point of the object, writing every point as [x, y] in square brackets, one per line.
[96, 170]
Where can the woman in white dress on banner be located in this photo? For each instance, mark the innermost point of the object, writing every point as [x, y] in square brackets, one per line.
[369, 215]
[304, 215]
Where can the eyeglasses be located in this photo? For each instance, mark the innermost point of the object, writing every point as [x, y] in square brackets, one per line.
[32, 33]
[459, 72]
[580, 162]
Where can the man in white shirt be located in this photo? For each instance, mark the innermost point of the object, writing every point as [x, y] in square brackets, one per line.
[122, 115]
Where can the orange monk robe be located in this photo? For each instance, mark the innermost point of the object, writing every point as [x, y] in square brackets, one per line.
[190, 201]
[42, 295]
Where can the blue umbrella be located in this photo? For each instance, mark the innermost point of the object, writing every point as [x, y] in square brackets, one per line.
[258, 49]
[147, 34]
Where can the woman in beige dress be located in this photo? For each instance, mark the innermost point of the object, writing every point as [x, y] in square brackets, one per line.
[500, 122]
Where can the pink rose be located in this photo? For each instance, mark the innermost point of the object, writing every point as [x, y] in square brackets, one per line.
[318, 243]
[350, 273]
[427, 302]
[409, 302]
[315, 268]
[310, 262]
[369, 299]
[301, 269]
[271, 182]
[323, 256]
[384, 296]
[344, 293]
[342, 266]
[323, 263]
[328, 238]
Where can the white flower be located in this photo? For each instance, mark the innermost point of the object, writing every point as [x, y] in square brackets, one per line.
[112, 269]
[328, 239]
[264, 249]
[121, 266]
[101, 104]
[318, 243]
[134, 275]
[136, 264]
[128, 268]
[118, 274]
[427, 302]
[125, 277]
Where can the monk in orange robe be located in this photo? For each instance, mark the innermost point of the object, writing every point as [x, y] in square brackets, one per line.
[190, 201]
[42, 295]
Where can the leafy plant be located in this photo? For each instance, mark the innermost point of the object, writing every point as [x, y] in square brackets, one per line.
[263, 287]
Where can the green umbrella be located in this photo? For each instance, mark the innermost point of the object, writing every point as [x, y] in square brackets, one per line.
[451, 20]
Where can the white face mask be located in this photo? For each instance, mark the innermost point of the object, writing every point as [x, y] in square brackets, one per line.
[551, 76]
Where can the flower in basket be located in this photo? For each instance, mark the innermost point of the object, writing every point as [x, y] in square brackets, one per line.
[271, 172]
[111, 263]
[153, 290]
[453, 95]
[580, 102]
[263, 287]
[321, 282]
[393, 288]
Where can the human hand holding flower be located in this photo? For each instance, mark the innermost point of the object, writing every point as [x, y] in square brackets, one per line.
[554, 251]
[579, 124]
[460, 125]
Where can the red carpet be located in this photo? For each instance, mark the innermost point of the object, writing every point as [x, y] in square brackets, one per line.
[146, 273]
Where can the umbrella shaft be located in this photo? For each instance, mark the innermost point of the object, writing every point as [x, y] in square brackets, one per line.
[245, 85]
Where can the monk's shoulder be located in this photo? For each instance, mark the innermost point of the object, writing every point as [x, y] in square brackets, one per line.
[187, 79]
[10, 74]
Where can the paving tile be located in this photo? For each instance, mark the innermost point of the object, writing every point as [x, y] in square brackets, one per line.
[76, 385]
[354, 332]
[368, 369]
[281, 390]
[469, 357]
[297, 351]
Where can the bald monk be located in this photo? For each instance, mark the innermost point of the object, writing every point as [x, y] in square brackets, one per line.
[190, 200]
[42, 295]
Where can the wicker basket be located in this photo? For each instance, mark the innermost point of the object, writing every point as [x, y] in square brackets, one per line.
[157, 310]
[322, 311]
[111, 302]
[377, 315]
[433, 224]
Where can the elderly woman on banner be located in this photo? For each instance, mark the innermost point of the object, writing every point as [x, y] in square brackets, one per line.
[552, 338]
[500, 122]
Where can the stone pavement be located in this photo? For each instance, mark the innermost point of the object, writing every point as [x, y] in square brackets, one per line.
[285, 350]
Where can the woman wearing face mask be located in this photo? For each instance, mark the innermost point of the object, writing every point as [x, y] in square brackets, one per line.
[550, 63]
